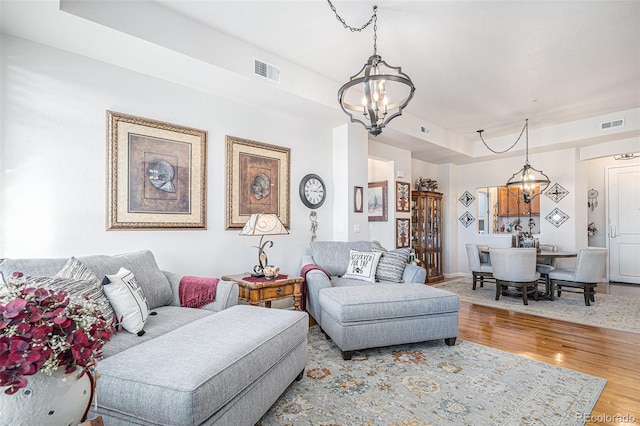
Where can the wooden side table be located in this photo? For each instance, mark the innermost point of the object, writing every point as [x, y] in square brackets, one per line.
[260, 290]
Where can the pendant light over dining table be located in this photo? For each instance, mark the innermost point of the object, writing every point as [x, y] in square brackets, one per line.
[378, 92]
[528, 182]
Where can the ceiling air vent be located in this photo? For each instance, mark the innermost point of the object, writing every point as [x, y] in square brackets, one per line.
[265, 70]
[611, 124]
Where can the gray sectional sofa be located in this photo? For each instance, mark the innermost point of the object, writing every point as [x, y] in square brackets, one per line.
[223, 364]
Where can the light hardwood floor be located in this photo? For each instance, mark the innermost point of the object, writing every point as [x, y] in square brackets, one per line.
[612, 355]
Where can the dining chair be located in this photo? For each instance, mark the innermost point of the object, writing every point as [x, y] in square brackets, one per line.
[589, 269]
[544, 266]
[515, 267]
[479, 269]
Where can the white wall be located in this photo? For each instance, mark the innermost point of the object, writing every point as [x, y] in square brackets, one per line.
[53, 162]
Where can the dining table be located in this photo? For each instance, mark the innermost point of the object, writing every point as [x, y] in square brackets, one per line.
[544, 254]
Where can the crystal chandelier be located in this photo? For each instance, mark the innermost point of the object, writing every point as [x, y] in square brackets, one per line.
[378, 92]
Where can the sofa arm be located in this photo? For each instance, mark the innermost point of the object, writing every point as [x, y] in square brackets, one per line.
[316, 280]
[226, 293]
[414, 274]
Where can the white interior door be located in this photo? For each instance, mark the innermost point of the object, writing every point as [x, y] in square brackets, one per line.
[624, 223]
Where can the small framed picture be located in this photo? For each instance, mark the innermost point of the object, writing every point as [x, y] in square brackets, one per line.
[402, 233]
[358, 199]
[403, 190]
[377, 201]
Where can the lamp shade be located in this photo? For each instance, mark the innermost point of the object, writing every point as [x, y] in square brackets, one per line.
[264, 224]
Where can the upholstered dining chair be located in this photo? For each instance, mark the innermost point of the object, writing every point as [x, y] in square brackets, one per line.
[480, 270]
[584, 278]
[546, 265]
[515, 267]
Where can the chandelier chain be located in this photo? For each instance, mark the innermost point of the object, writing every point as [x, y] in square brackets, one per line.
[525, 127]
[373, 19]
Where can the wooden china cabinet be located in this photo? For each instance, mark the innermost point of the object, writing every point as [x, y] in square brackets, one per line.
[426, 232]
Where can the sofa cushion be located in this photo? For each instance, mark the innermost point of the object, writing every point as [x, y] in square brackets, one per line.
[127, 299]
[166, 319]
[227, 353]
[154, 283]
[333, 256]
[362, 265]
[386, 301]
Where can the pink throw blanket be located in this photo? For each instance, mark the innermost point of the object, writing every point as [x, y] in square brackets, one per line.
[303, 273]
[195, 292]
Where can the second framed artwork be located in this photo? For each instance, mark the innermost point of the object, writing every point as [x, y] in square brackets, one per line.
[402, 233]
[377, 201]
[257, 181]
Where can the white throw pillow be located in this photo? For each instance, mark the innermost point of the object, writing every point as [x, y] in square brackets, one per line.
[362, 265]
[127, 299]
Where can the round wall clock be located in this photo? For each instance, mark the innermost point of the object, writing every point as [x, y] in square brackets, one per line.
[312, 191]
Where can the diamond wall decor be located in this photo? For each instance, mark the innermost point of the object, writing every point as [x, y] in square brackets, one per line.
[556, 192]
[557, 217]
[466, 219]
[467, 198]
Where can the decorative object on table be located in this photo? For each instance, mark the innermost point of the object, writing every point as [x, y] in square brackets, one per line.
[557, 217]
[426, 184]
[627, 156]
[466, 219]
[358, 200]
[591, 229]
[556, 192]
[49, 346]
[377, 201]
[403, 190]
[313, 217]
[528, 182]
[402, 233]
[157, 174]
[263, 224]
[271, 272]
[257, 181]
[313, 192]
[378, 92]
[592, 199]
[467, 198]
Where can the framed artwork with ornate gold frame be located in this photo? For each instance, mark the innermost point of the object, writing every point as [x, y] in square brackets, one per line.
[403, 194]
[257, 181]
[157, 174]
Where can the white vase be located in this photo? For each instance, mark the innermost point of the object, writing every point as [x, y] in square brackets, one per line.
[58, 399]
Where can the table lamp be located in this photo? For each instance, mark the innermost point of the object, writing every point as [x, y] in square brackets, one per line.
[263, 224]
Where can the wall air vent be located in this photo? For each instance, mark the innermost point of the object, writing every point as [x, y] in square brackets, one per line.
[265, 70]
[611, 124]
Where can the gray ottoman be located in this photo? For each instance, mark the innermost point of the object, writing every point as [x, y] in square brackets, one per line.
[376, 315]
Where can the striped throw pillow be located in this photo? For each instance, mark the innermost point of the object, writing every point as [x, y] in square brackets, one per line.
[392, 263]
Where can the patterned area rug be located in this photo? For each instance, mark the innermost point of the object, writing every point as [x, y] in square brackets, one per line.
[432, 384]
[608, 311]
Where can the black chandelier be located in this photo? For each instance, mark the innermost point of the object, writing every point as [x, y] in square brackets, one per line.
[378, 92]
[528, 182]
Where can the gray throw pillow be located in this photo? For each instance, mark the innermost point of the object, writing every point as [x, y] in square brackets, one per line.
[392, 263]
